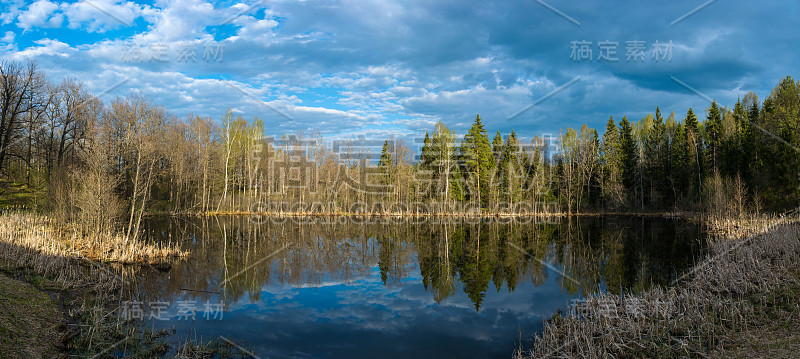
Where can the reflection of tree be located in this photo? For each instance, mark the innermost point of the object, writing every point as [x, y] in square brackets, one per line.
[475, 268]
[385, 258]
[433, 255]
[618, 253]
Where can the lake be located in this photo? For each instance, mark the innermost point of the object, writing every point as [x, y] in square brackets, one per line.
[346, 288]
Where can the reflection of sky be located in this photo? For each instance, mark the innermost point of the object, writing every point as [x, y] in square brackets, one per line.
[364, 318]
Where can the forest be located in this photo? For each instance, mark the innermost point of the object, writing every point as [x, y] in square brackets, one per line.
[114, 162]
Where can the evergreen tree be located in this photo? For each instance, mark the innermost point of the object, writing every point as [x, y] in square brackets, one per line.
[714, 135]
[497, 148]
[693, 154]
[426, 156]
[611, 165]
[628, 154]
[476, 153]
[736, 152]
[749, 145]
[678, 173]
[781, 118]
[654, 154]
[425, 171]
[385, 163]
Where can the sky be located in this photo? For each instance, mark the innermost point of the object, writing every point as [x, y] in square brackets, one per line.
[344, 68]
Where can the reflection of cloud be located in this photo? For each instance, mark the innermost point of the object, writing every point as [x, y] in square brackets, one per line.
[365, 316]
[333, 312]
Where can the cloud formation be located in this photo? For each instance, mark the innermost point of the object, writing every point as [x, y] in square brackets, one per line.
[395, 68]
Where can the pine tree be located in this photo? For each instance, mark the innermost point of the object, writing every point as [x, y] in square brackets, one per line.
[678, 174]
[714, 135]
[654, 153]
[385, 163]
[628, 155]
[611, 164]
[426, 156]
[693, 154]
[749, 145]
[476, 153]
[736, 150]
[425, 171]
[781, 117]
[497, 148]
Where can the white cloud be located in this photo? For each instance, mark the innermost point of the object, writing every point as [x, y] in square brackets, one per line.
[47, 47]
[101, 15]
[179, 20]
[9, 37]
[7, 44]
[41, 13]
[346, 67]
[10, 10]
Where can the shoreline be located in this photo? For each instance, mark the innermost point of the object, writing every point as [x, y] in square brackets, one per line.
[63, 286]
[737, 300]
[680, 214]
[83, 277]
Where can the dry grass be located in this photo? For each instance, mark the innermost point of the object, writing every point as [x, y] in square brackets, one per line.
[34, 248]
[734, 290]
[40, 234]
[722, 227]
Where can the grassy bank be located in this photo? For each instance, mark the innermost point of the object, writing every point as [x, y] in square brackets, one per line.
[29, 325]
[734, 302]
[68, 267]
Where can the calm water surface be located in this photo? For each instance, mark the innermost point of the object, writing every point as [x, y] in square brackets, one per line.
[423, 290]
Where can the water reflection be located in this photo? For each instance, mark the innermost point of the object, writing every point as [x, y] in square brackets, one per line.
[455, 289]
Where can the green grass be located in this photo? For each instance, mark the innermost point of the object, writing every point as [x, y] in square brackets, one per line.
[29, 320]
[16, 194]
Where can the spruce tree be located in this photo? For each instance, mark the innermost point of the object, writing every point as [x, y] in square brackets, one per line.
[478, 160]
[693, 154]
[426, 155]
[628, 154]
[654, 153]
[610, 160]
[736, 149]
[386, 168]
[749, 145]
[497, 148]
[385, 163]
[678, 173]
[714, 135]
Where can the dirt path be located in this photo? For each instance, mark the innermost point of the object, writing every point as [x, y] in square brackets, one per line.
[29, 321]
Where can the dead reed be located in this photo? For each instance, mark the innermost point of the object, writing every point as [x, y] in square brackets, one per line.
[33, 246]
[727, 227]
[40, 234]
[730, 291]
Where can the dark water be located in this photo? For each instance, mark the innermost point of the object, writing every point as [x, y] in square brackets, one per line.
[419, 290]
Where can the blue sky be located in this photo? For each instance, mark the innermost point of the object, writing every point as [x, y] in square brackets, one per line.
[394, 68]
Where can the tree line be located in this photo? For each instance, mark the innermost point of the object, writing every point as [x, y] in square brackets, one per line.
[115, 162]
